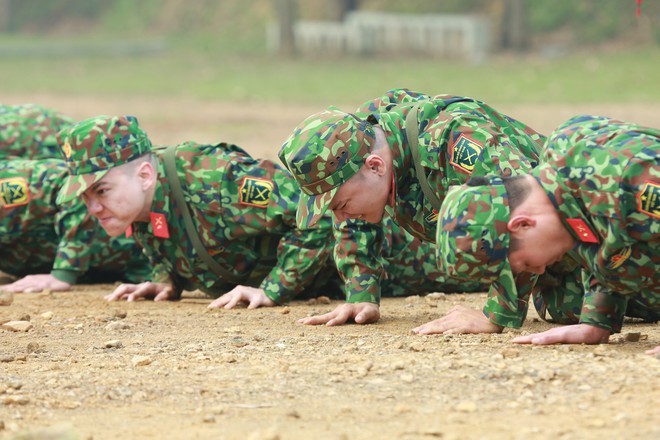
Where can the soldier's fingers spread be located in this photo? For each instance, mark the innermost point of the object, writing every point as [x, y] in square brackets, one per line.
[315, 320]
[217, 303]
[233, 302]
[522, 339]
[162, 296]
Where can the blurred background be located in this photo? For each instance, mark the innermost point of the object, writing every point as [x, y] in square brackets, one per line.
[248, 71]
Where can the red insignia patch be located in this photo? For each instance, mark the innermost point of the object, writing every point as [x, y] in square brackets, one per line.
[159, 225]
[129, 231]
[582, 230]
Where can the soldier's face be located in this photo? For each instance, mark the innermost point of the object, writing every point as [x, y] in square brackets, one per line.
[363, 196]
[540, 245]
[117, 200]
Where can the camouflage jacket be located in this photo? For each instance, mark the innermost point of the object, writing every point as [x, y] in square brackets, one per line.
[38, 235]
[244, 210]
[603, 176]
[29, 131]
[458, 138]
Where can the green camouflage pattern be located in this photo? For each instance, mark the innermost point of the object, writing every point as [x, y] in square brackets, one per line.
[93, 146]
[606, 172]
[244, 211]
[603, 172]
[39, 235]
[408, 264]
[253, 234]
[473, 238]
[29, 131]
[323, 152]
[511, 147]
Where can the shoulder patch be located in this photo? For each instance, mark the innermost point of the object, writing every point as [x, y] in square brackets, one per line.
[432, 217]
[648, 199]
[617, 260]
[255, 192]
[464, 153]
[14, 192]
[582, 231]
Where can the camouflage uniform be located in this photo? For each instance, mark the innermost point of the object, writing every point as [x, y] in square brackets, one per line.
[243, 209]
[29, 131]
[38, 235]
[603, 177]
[457, 137]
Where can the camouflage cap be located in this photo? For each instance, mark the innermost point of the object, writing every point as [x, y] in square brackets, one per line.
[472, 234]
[93, 146]
[323, 152]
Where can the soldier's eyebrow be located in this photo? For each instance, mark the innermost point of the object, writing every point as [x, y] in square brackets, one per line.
[95, 185]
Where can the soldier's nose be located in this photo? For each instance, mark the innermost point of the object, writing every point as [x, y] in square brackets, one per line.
[93, 206]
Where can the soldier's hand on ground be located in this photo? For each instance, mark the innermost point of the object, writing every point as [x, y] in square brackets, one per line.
[459, 319]
[252, 296]
[131, 292]
[655, 350]
[37, 283]
[568, 334]
[361, 313]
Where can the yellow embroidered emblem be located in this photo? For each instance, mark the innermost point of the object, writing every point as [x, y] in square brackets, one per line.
[255, 192]
[648, 199]
[14, 192]
[464, 153]
[432, 217]
[617, 260]
[66, 149]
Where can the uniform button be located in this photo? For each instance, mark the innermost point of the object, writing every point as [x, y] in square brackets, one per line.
[144, 251]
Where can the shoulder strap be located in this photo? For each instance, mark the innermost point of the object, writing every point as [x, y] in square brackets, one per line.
[412, 133]
[173, 178]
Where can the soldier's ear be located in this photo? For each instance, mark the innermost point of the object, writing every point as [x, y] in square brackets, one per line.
[376, 164]
[520, 222]
[146, 173]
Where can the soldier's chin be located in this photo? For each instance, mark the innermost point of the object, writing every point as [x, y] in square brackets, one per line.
[112, 228]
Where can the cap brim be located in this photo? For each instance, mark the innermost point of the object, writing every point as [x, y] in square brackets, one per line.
[312, 208]
[74, 186]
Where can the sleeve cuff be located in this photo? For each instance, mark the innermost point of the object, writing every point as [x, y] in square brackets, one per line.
[67, 276]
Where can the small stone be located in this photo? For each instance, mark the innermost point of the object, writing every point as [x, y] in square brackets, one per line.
[208, 419]
[632, 337]
[466, 406]
[412, 299]
[33, 347]
[117, 325]
[15, 399]
[6, 298]
[293, 414]
[323, 300]
[47, 315]
[436, 296]
[285, 311]
[115, 343]
[18, 326]
[407, 378]
[6, 357]
[141, 361]
[510, 353]
[120, 314]
[416, 346]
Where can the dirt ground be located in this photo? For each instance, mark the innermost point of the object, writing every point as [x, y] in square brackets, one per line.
[88, 369]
